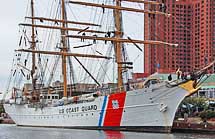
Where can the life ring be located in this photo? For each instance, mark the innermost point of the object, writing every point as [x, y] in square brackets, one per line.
[98, 93]
[75, 98]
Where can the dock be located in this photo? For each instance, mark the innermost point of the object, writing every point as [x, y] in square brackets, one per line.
[186, 127]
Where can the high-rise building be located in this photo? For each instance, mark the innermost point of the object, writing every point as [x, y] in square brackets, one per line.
[191, 25]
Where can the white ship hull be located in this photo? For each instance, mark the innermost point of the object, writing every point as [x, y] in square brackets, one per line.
[140, 110]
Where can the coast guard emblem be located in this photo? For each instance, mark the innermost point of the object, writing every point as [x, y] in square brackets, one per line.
[115, 104]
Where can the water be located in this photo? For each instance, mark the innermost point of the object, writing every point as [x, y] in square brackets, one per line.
[14, 132]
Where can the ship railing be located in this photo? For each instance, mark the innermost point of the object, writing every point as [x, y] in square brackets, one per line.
[108, 90]
[124, 88]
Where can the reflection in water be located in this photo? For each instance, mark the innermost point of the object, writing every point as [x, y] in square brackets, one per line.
[113, 135]
[14, 132]
[134, 135]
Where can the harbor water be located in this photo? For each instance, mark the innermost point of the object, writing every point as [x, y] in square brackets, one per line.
[14, 132]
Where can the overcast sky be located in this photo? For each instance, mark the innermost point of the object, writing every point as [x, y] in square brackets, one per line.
[12, 12]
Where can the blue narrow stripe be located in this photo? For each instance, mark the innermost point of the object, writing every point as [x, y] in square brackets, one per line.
[102, 111]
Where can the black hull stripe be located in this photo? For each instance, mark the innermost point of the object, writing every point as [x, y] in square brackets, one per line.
[156, 129]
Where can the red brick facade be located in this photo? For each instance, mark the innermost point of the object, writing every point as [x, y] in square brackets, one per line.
[192, 26]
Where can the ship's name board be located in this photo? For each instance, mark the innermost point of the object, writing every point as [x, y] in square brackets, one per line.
[78, 109]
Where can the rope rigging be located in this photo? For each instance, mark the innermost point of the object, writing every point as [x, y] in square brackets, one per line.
[47, 67]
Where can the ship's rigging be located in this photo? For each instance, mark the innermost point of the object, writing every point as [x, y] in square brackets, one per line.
[86, 49]
[86, 32]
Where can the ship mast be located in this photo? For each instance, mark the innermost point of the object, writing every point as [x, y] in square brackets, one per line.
[118, 45]
[33, 48]
[64, 49]
[117, 39]
[118, 28]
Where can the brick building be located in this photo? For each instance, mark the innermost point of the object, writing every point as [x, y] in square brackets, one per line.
[192, 26]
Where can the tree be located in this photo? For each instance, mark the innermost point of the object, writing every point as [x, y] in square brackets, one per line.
[192, 105]
[205, 115]
[197, 103]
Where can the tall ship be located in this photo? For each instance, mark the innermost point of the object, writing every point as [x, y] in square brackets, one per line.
[72, 70]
